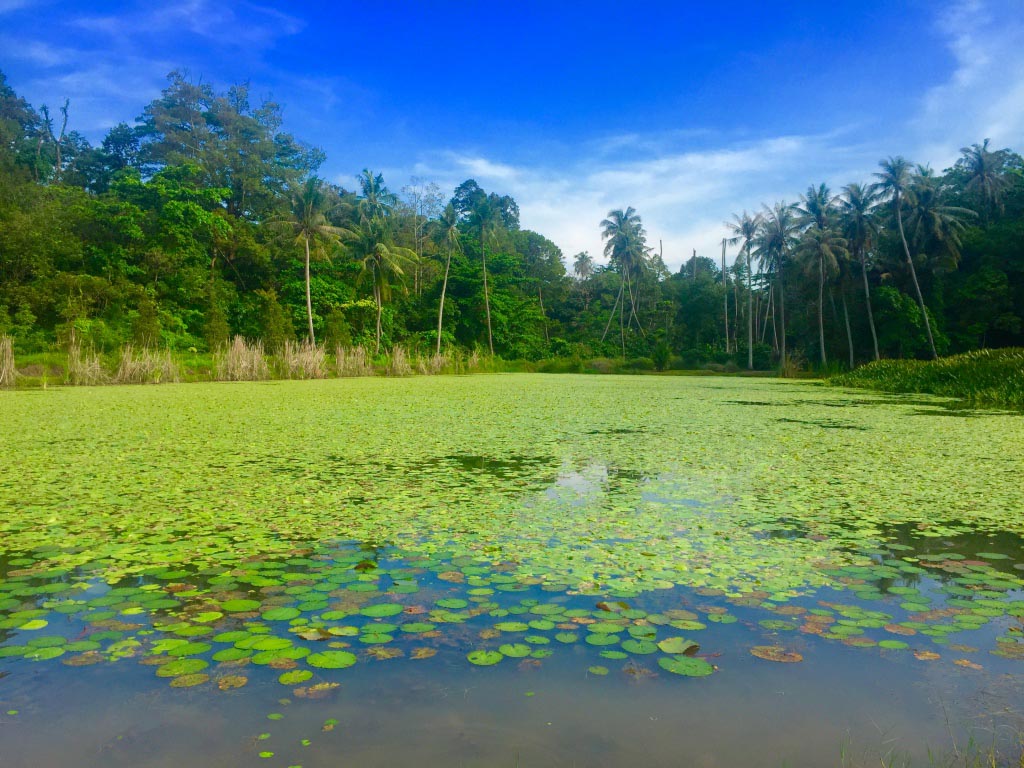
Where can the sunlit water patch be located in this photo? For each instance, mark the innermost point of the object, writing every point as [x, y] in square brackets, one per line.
[502, 570]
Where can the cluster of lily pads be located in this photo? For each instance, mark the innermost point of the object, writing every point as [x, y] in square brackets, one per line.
[206, 530]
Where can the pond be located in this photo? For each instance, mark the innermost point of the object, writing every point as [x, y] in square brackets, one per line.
[506, 570]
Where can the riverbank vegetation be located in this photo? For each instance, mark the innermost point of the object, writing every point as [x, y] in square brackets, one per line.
[204, 221]
[986, 377]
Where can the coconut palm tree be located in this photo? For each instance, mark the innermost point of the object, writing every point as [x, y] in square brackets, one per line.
[860, 228]
[626, 248]
[894, 182]
[377, 202]
[985, 175]
[934, 226]
[821, 249]
[745, 229]
[777, 238]
[447, 228]
[583, 265]
[309, 205]
[381, 260]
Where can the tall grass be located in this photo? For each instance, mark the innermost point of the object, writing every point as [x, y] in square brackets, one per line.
[241, 361]
[432, 365]
[84, 368]
[304, 360]
[986, 377]
[7, 370]
[398, 363]
[146, 366]
[353, 361]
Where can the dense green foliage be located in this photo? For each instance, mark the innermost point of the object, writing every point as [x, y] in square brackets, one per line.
[982, 377]
[204, 220]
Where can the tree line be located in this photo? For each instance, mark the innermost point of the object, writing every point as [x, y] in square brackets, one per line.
[203, 220]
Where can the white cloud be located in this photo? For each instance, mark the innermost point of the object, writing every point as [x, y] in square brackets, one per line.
[984, 96]
[224, 23]
[683, 196]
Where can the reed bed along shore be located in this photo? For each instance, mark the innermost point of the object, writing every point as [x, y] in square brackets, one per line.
[985, 377]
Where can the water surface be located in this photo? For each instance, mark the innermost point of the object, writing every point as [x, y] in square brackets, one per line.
[506, 570]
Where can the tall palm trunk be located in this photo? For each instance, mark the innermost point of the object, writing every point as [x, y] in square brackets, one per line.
[618, 297]
[487, 299]
[440, 308]
[622, 326]
[725, 299]
[917, 286]
[821, 306]
[782, 307]
[867, 299]
[750, 312]
[846, 319]
[380, 310]
[543, 313]
[309, 298]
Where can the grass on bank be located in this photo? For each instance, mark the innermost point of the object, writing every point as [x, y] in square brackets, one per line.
[243, 360]
[986, 377]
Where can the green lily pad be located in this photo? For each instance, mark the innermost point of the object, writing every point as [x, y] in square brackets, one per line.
[484, 658]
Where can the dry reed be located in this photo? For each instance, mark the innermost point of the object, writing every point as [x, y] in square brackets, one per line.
[432, 364]
[398, 363]
[353, 361]
[84, 368]
[7, 371]
[241, 361]
[146, 366]
[303, 360]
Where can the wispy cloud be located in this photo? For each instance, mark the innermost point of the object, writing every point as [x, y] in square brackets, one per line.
[686, 184]
[683, 196]
[984, 95]
[231, 24]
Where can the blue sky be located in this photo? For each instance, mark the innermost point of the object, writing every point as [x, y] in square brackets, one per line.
[685, 111]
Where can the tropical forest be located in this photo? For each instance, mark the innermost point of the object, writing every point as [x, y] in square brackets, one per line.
[305, 467]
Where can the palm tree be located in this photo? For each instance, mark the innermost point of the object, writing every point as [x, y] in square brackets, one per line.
[309, 205]
[985, 176]
[382, 261]
[935, 227]
[745, 228]
[380, 258]
[893, 182]
[821, 248]
[625, 249]
[583, 265]
[860, 229]
[777, 238]
[377, 201]
[448, 234]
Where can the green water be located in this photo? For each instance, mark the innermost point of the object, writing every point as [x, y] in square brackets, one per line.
[503, 570]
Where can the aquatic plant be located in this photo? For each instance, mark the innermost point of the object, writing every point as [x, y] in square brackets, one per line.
[986, 377]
